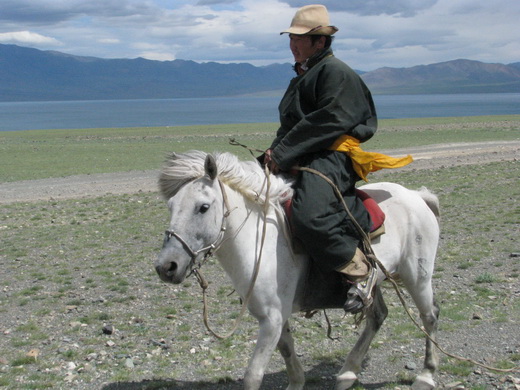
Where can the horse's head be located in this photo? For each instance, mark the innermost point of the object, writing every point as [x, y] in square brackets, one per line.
[196, 224]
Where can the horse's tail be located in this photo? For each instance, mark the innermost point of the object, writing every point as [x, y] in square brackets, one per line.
[431, 200]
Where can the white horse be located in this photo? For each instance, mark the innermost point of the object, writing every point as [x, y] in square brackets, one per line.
[217, 202]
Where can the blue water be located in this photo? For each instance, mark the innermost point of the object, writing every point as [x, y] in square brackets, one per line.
[180, 112]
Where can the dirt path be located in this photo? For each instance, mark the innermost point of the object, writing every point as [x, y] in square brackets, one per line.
[82, 186]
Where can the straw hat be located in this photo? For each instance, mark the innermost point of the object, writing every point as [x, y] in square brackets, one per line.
[311, 20]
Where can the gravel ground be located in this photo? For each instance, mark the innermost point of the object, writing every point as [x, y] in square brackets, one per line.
[392, 362]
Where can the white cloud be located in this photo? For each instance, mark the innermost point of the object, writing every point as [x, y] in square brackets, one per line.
[109, 41]
[157, 52]
[28, 38]
[157, 56]
[372, 33]
[404, 8]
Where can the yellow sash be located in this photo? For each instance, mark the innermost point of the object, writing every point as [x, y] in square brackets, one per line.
[366, 162]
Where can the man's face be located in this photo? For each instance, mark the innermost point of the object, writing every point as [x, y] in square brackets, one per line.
[303, 48]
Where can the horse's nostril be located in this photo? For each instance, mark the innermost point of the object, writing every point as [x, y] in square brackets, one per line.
[167, 269]
[170, 270]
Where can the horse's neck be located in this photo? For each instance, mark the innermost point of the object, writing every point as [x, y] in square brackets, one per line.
[245, 242]
[242, 226]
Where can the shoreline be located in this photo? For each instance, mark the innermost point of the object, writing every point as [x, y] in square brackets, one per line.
[412, 121]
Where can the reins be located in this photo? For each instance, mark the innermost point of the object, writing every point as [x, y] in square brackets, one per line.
[204, 284]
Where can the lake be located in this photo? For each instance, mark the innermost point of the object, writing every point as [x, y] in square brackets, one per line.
[206, 111]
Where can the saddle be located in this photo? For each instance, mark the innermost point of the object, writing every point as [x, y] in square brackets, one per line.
[377, 215]
[326, 289]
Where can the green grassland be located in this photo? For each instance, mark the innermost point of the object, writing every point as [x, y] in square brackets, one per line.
[38, 154]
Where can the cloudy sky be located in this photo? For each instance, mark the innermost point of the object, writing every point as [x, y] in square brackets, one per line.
[372, 33]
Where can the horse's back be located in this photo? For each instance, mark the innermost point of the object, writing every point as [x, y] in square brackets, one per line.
[393, 197]
[412, 229]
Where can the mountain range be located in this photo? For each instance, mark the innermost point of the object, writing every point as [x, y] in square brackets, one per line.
[28, 74]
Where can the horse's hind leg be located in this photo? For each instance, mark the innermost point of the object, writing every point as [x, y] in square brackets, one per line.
[375, 317]
[419, 285]
[294, 368]
[424, 380]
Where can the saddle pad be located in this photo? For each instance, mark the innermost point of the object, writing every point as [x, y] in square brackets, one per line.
[376, 214]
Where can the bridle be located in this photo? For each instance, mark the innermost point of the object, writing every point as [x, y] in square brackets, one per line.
[211, 248]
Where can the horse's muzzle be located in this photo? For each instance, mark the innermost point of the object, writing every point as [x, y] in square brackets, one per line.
[168, 272]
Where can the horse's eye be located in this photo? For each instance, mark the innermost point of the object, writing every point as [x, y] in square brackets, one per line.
[204, 208]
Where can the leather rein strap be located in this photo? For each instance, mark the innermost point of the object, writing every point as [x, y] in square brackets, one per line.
[204, 284]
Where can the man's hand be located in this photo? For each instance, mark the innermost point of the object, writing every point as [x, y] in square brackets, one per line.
[271, 164]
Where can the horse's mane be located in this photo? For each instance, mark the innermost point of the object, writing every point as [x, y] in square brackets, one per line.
[246, 177]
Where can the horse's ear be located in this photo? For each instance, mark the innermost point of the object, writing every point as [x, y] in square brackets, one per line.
[210, 166]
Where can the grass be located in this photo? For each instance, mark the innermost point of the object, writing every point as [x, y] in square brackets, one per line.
[56, 153]
[459, 368]
[486, 277]
[70, 267]
[401, 133]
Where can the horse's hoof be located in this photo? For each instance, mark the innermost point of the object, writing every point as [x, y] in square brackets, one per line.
[295, 387]
[423, 382]
[345, 380]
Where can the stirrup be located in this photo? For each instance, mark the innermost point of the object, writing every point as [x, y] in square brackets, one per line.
[359, 296]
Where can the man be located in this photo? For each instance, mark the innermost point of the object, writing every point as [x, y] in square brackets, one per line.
[326, 101]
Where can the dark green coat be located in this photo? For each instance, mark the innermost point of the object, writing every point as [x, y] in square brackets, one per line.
[327, 101]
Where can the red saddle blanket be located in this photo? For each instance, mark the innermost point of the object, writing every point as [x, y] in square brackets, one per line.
[376, 214]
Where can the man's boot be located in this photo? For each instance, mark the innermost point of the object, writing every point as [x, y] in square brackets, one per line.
[363, 277]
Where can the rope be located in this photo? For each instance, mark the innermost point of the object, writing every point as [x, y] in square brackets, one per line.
[204, 284]
[234, 142]
[372, 257]
[369, 252]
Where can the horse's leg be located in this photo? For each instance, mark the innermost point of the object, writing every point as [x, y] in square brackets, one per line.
[270, 329]
[417, 278]
[376, 315]
[429, 317]
[294, 368]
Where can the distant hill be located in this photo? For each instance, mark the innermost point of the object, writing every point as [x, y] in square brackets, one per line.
[458, 76]
[31, 75]
[515, 65]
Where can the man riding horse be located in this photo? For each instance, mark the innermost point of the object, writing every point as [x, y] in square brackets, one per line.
[326, 108]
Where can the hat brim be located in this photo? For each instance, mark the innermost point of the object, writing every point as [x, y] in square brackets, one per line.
[328, 30]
